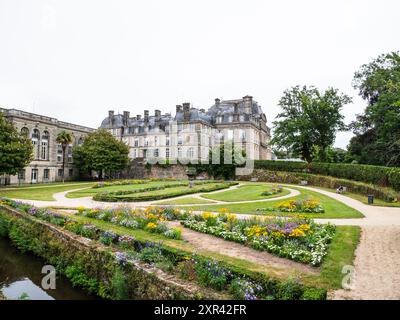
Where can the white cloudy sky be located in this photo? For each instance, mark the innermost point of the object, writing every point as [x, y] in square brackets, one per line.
[77, 59]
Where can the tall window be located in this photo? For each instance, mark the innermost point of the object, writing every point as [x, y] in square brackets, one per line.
[190, 153]
[180, 140]
[80, 141]
[46, 174]
[59, 153]
[179, 153]
[167, 141]
[136, 143]
[167, 153]
[69, 153]
[25, 132]
[35, 142]
[44, 151]
[156, 153]
[156, 141]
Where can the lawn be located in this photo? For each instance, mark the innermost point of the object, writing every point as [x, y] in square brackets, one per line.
[333, 208]
[246, 192]
[364, 199]
[90, 192]
[41, 192]
[185, 200]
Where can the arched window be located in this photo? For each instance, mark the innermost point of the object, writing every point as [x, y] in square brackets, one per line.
[35, 142]
[80, 141]
[44, 150]
[25, 132]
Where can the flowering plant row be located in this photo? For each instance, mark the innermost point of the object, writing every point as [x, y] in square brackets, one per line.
[299, 205]
[151, 220]
[298, 238]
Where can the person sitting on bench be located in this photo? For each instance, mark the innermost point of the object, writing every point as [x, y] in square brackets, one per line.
[340, 189]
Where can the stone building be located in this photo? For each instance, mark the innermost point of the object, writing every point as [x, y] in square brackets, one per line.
[48, 154]
[191, 133]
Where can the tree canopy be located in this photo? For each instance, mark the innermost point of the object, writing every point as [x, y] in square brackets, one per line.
[377, 130]
[16, 149]
[100, 152]
[309, 119]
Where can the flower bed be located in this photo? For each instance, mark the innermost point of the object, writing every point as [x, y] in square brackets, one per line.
[298, 238]
[137, 195]
[151, 220]
[273, 191]
[84, 271]
[301, 206]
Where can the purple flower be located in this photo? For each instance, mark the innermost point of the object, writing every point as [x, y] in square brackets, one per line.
[121, 258]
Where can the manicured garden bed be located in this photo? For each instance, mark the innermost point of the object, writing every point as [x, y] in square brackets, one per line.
[117, 280]
[248, 192]
[332, 208]
[162, 192]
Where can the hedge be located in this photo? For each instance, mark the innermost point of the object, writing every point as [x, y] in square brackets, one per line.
[383, 193]
[122, 196]
[379, 175]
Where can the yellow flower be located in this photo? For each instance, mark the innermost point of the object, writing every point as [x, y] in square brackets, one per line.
[223, 210]
[304, 227]
[297, 233]
[207, 215]
[231, 218]
[151, 225]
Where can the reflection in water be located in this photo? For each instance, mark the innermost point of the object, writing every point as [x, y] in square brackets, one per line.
[20, 274]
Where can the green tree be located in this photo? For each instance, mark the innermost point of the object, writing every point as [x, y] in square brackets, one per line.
[222, 163]
[16, 149]
[65, 139]
[101, 152]
[377, 130]
[309, 118]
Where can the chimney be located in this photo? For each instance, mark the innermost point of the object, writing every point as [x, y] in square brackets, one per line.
[178, 108]
[236, 112]
[110, 117]
[157, 114]
[186, 111]
[126, 118]
[217, 102]
[248, 103]
[146, 116]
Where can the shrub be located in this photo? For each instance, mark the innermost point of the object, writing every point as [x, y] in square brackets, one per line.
[325, 182]
[379, 175]
[78, 277]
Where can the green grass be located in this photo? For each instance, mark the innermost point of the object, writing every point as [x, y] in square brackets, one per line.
[245, 192]
[40, 192]
[90, 192]
[341, 253]
[363, 198]
[186, 200]
[333, 208]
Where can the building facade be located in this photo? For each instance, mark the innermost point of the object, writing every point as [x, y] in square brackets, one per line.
[48, 154]
[190, 134]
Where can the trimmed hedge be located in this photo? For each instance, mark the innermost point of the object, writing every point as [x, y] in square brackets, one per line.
[135, 196]
[385, 194]
[379, 175]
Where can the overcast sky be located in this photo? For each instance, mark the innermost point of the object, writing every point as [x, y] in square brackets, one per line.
[75, 60]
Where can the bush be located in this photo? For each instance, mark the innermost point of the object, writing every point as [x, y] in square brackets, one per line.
[379, 175]
[383, 193]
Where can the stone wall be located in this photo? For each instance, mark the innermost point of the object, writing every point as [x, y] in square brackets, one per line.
[144, 281]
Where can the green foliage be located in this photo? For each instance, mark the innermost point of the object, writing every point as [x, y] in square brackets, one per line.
[377, 130]
[379, 175]
[119, 286]
[221, 165]
[16, 149]
[78, 278]
[290, 290]
[65, 139]
[309, 118]
[101, 152]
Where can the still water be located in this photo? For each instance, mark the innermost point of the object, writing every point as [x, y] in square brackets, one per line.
[20, 274]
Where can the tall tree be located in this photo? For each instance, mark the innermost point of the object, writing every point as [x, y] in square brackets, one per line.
[377, 130]
[309, 118]
[101, 152]
[65, 139]
[16, 149]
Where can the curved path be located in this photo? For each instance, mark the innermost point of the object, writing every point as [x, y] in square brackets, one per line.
[377, 262]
